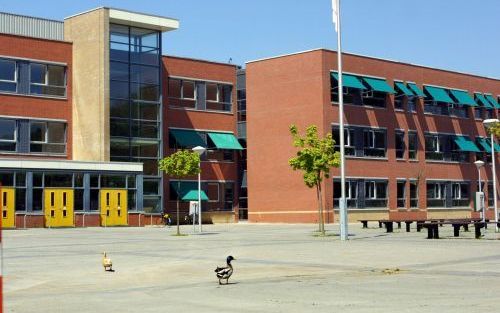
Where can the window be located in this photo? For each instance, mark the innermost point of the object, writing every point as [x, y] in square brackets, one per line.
[460, 194]
[401, 194]
[413, 194]
[457, 155]
[434, 147]
[48, 137]
[219, 97]
[459, 110]
[182, 93]
[8, 75]
[228, 196]
[412, 145]
[374, 98]
[400, 144]
[376, 194]
[374, 143]
[8, 135]
[478, 113]
[436, 194]
[348, 140]
[213, 192]
[47, 79]
[351, 193]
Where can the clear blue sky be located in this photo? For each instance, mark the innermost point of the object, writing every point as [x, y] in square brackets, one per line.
[462, 35]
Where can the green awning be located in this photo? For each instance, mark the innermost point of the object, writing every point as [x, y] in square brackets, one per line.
[187, 138]
[483, 143]
[225, 141]
[192, 195]
[492, 100]
[465, 144]
[378, 84]
[349, 81]
[439, 94]
[482, 100]
[402, 87]
[416, 90]
[463, 97]
[187, 190]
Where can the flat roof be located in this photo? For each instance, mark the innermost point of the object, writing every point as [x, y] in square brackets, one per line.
[198, 60]
[370, 57]
[137, 19]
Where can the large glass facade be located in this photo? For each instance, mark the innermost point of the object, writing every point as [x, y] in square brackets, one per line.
[135, 104]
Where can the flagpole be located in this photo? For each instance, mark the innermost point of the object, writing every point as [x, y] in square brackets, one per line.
[344, 234]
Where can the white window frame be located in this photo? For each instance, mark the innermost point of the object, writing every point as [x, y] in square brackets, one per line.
[194, 89]
[15, 132]
[46, 135]
[372, 136]
[15, 72]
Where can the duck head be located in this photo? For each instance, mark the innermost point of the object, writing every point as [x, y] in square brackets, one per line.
[229, 259]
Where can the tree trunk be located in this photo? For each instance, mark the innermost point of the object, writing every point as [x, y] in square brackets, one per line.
[178, 195]
[320, 209]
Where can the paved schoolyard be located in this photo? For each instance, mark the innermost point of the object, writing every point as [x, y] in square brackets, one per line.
[279, 268]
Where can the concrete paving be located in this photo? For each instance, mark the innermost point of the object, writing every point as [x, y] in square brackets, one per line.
[279, 268]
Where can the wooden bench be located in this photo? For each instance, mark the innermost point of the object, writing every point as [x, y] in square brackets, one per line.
[365, 223]
[389, 224]
[433, 227]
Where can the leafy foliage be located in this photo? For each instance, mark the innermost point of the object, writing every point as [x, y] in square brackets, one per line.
[495, 130]
[181, 164]
[315, 157]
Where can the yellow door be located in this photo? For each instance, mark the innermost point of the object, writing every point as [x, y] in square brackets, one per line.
[8, 207]
[58, 207]
[114, 208]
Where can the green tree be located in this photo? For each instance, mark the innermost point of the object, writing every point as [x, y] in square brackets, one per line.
[181, 164]
[315, 158]
[495, 130]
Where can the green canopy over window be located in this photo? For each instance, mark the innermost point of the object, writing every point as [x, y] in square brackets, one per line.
[192, 195]
[416, 90]
[483, 143]
[463, 97]
[187, 190]
[401, 86]
[492, 100]
[349, 81]
[465, 144]
[482, 100]
[225, 141]
[439, 94]
[378, 84]
[187, 138]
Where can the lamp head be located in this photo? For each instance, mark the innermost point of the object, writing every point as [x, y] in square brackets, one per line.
[479, 164]
[490, 122]
[200, 150]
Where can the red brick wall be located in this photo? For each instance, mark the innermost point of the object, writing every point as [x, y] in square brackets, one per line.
[33, 106]
[296, 89]
[191, 119]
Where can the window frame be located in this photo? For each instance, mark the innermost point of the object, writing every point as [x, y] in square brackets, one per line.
[46, 80]
[46, 138]
[10, 140]
[16, 75]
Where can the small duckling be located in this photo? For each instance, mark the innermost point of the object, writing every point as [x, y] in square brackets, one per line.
[106, 263]
[226, 271]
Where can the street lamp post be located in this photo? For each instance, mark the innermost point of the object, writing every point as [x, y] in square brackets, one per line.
[200, 150]
[488, 123]
[480, 164]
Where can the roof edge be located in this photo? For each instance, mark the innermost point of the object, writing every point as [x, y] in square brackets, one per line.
[375, 58]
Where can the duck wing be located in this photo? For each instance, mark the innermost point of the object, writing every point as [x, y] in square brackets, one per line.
[224, 272]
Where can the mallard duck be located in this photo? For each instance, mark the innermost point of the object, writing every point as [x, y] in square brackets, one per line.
[106, 262]
[226, 271]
